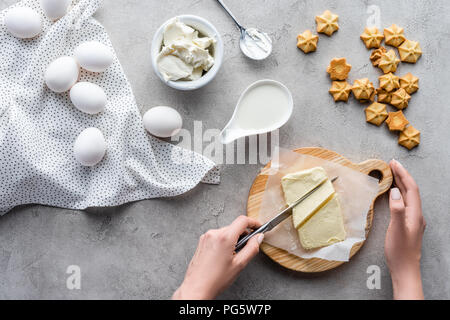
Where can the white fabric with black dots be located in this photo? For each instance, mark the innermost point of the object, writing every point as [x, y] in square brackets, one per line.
[38, 128]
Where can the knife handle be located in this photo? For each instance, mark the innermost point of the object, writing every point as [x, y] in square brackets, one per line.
[242, 242]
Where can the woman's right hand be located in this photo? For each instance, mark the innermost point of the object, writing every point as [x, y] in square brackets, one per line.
[403, 245]
[215, 264]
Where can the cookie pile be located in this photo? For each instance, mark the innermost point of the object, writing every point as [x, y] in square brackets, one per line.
[392, 90]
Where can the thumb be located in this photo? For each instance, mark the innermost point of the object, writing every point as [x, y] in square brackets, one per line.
[397, 206]
[250, 250]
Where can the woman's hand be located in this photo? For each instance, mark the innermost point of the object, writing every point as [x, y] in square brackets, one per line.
[215, 264]
[403, 243]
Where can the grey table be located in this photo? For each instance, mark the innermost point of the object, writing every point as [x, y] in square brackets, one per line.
[142, 249]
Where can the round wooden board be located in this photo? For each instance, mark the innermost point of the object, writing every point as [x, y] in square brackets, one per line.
[317, 265]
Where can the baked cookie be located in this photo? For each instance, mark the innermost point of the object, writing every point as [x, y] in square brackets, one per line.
[340, 90]
[307, 41]
[363, 90]
[339, 69]
[376, 55]
[376, 113]
[394, 35]
[327, 23]
[409, 83]
[410, 51]
[389, 62]
[372, 37]
[389, 82]
[396, 121]
[409, 138]
[400, 99]
[384, 96]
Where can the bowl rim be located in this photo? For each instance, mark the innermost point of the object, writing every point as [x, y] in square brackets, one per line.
[218, 53]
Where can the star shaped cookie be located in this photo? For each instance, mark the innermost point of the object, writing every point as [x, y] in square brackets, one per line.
[372, 37]
[339, 69]
[363, 90]
[327, 23]
[409, 138]
[384, 96]
[394, 35]
[400, 99]
[389, 62]
[376, 55]
[410, 83]
[340, 90]
[389, 82]
[376, 113]
[396, 121]
[307, 42]
[410, 51]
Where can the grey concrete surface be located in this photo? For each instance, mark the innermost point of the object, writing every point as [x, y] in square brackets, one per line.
[141, 250]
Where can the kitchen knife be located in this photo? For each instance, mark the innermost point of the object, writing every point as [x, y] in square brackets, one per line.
[280, 217]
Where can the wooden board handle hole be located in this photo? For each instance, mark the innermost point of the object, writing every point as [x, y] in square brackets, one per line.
[377, 174]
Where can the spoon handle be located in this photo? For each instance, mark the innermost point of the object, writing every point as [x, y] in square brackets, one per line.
[230, 14]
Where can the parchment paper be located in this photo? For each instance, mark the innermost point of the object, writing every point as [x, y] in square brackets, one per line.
[356, 192]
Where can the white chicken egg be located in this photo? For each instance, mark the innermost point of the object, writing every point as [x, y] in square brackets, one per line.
[62, 74]
[23, 22]
[93, 56]
[55, 9]
[88, 97]
[162, 121]
[90, 147]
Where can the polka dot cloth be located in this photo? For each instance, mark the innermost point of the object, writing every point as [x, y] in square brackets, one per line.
[38, 128]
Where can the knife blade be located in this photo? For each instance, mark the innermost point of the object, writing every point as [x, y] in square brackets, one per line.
[280, 217]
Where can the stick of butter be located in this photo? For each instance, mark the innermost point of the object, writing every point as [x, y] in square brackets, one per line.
[324, 228]
[296, 185]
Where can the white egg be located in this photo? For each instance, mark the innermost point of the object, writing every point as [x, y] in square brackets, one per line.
[23, 22]
[162, 121]
[62, 74]
[88, 97]
[93, 56]
[90, 147]
[55, 9]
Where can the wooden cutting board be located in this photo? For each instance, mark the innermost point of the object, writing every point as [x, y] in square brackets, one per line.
[377, 167]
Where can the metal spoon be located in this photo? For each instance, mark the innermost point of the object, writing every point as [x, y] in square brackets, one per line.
[254, 44]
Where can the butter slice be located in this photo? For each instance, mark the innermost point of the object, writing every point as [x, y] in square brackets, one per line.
[298, 184]
[324, 228]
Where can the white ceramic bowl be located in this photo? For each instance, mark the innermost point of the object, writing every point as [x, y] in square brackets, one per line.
[205, 28]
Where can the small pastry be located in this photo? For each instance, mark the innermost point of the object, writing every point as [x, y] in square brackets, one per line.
[307, 42]
[409, 138]
[384, 96]
[340, 90]
[363, 90]
[389, 82]
[376, 113]
[375, 57]
[389, 62]
[394, 35]
[372, 37]
[400, 99]
[396, 121]
[327, 23]
[409, 83]
[410, 51]
[339, 69]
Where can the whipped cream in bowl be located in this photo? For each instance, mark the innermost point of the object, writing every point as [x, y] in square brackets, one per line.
[187, 52]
